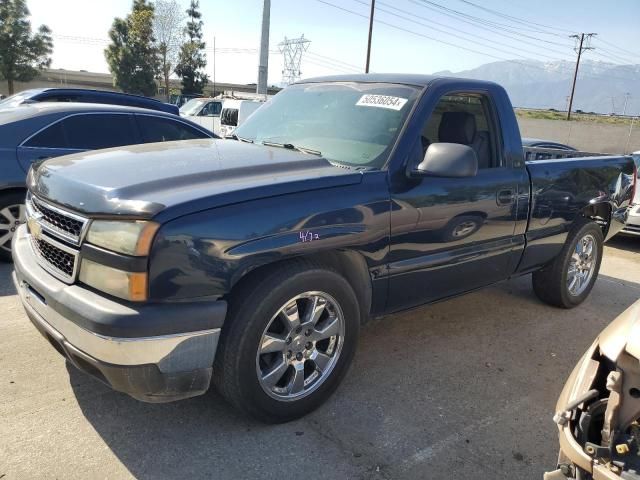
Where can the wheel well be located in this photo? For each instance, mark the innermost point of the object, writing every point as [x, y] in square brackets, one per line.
[12, 190]
[351, 265]
[599, 213]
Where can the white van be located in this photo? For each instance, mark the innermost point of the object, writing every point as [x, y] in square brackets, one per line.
[234, 113]
[203, 111]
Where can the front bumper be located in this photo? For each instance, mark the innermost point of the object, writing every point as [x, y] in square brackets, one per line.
[153, 352]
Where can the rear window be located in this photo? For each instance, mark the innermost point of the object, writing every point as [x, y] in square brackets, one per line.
[229, 116]
[157, 129]
[96, 131]
[86, 132]
[51, 137]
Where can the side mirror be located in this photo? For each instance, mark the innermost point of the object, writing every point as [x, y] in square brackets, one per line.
[448, 160]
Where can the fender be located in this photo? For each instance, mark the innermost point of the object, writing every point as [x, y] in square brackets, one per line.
[205, 254]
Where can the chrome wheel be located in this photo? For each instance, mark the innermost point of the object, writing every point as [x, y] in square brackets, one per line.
[464, 229]
[10, 219]
[582, 265]
[300, 346]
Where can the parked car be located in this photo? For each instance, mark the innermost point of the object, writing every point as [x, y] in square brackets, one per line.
[633, 221]
[598, 412]
[537, 149]
[34, 132]
[254, 262]
[536, 142]
[235, 113]
[81, 95]
[203, 111]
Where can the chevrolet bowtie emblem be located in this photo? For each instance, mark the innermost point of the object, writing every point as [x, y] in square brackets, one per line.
[34, 228]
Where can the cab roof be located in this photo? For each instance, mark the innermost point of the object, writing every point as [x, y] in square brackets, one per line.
[414, 79]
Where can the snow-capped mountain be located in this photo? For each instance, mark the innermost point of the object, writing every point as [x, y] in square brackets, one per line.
[535, 84]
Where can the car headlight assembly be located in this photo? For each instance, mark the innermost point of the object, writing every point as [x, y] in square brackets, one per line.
[132, 238]
[130, 286]
[128, 237]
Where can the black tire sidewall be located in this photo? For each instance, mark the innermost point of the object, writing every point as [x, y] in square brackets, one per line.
[6, 199]
[251, 319]
[587, 228]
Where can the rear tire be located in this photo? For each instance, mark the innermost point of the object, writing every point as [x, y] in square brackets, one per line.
[273, 368]
[12, 214]
[567, 281]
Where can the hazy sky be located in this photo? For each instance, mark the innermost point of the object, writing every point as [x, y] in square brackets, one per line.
[338, 38]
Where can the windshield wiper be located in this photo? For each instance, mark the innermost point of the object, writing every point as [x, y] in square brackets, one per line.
[291, 146]
[236, 137]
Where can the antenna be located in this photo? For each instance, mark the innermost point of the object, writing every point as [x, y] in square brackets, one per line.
[292, 50]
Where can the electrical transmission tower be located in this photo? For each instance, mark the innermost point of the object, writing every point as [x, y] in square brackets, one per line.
[583, 42]
[292, 50]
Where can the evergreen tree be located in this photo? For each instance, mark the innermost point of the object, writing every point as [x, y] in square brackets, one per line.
[132, 56]
[192, 57]
[22, 54]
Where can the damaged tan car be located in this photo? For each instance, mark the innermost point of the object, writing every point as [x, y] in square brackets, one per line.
[598, 412]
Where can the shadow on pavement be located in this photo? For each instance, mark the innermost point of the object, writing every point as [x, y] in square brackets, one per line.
[6, 282]
[461, 389]
[625, 242]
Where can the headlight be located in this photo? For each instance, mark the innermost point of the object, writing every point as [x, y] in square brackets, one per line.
[127, 285]
[128, 237]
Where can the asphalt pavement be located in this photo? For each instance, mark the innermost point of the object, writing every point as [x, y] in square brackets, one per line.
[464, 389]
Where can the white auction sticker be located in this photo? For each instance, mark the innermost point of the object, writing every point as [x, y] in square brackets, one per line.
[382, 101]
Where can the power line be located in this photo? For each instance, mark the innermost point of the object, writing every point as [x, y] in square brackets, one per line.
[328, 66]
[618, 48]
[391, 25]
[412, 32]
[527, 23]
[481, 22]
[617, 56]
[335, 60]
[459, 35]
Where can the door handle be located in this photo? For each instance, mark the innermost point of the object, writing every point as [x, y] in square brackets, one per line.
[505, 197]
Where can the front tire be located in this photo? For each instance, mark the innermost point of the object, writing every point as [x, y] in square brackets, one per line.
[567, 281]
[289, 339]
[12, 214]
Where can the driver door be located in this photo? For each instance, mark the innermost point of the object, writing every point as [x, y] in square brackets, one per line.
[452, 235]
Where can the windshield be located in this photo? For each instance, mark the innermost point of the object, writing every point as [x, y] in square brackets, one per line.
[354, 124]
[192, 106]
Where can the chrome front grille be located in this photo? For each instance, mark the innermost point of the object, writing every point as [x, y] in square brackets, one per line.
[60, 223]
[55, 236]
[59, 260]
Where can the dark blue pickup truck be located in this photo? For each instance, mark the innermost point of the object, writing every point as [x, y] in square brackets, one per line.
[253, 262]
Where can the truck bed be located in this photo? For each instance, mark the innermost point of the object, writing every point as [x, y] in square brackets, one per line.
[564, 189]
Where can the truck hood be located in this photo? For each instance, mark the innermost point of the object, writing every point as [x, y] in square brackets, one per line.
[141, 181]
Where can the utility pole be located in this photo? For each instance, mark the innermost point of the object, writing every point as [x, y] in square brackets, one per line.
[582, 45]
[263, 69]
[214, 65]
[626, 147]
[373, 8]
[626, 100]
[613, 105]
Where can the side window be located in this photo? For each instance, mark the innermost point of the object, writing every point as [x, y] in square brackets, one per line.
[229, 117]
[465, 119]
[211, 109]
[95, 131]
[157, 129]
[51, 137]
